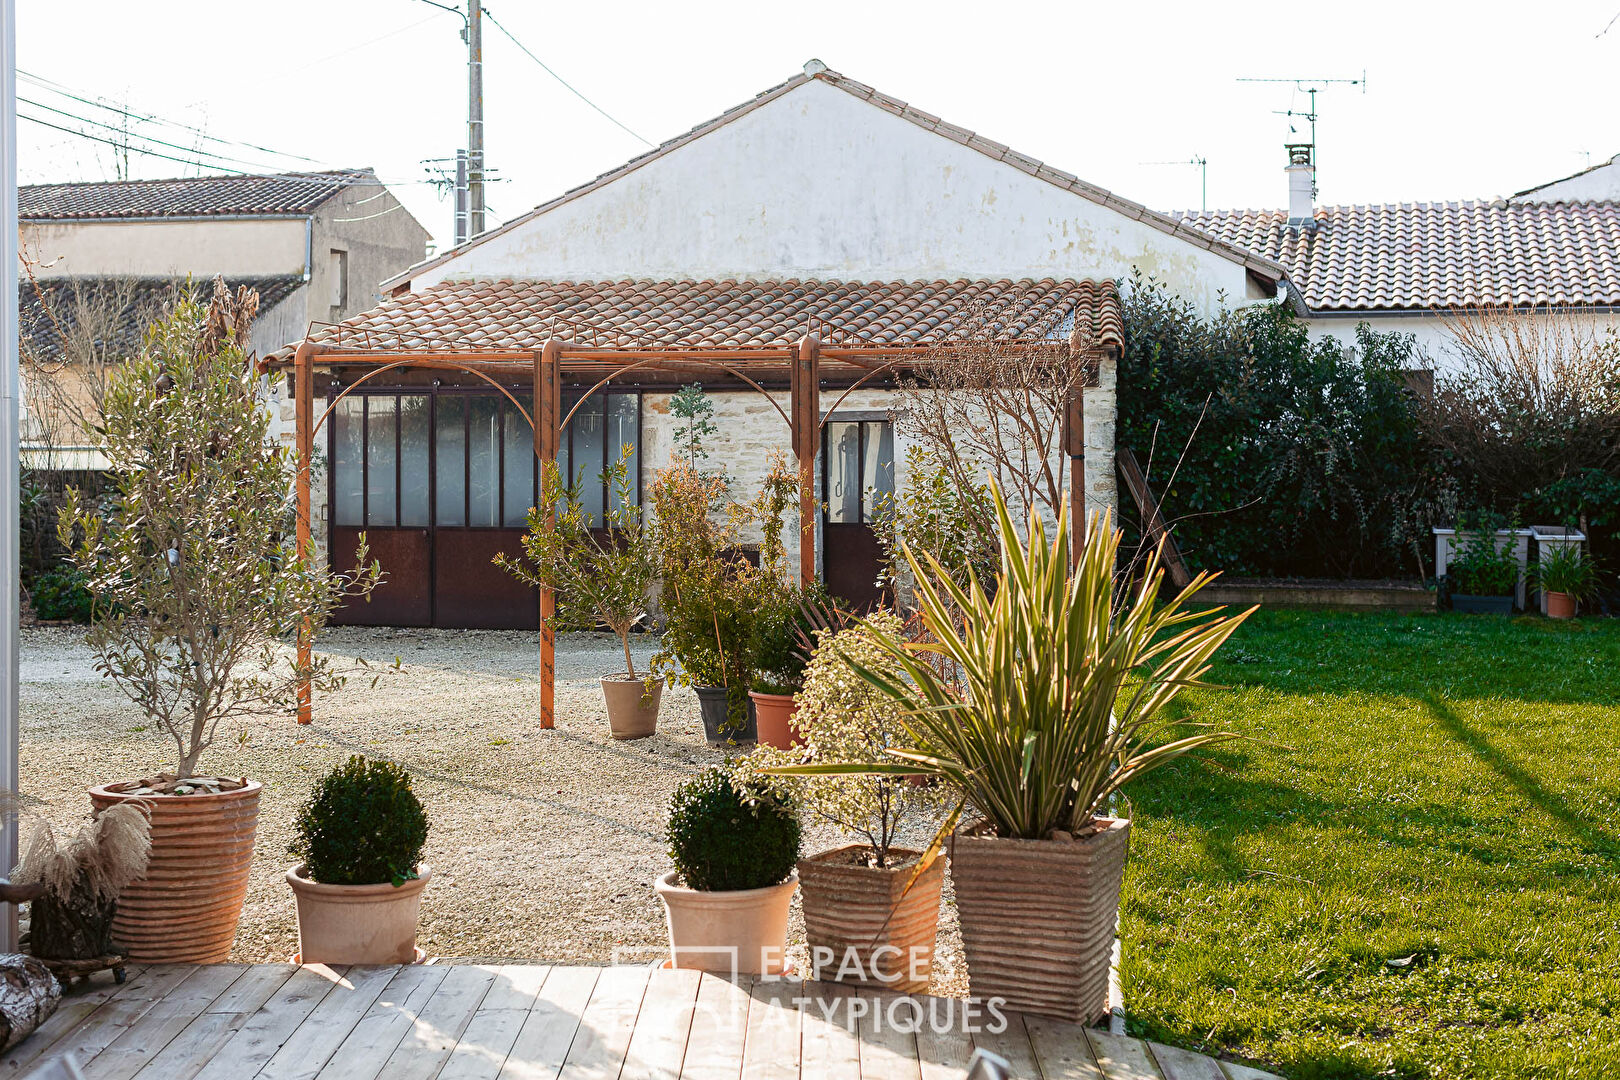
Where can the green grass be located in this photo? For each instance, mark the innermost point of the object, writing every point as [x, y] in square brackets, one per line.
[1414, 868]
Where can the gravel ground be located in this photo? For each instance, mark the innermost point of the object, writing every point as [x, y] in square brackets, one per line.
[544, 844]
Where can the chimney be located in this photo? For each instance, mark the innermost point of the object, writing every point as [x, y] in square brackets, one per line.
[1301, 186]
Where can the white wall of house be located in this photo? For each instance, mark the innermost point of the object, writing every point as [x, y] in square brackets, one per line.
[1429, 329]
[257, 247]
[1599, 183]
[819, 184]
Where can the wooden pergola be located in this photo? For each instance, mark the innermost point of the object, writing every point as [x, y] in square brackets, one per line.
[804, 367]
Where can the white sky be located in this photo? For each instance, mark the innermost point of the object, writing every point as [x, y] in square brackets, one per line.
[1463, 100]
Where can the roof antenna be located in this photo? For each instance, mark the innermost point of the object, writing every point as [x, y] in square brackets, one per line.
[1311, 87]
[1202, 164]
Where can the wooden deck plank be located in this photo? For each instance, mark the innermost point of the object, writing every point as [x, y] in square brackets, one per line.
[658, 1045]
[771, 1047]
[1010, 1039]
[171, 1014]
[75, 1008]
[195, 1047]
[888, 1052]
[264, 1033]
[117, 1014]
[714, 1049]
[492, 1033]
[542, 1043]
[828, 1048]
[441, 1024]
[317, 1038]
[1245, 1072]
[1121, 1058]
[603, 1038]
[515, 986]
[373, 1040]
[1062, 1049]
[1179, 1064]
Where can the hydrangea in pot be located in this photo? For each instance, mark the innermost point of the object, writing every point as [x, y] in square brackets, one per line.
[359, 886]
[871, 909]
[1057, 706]
[733, 842]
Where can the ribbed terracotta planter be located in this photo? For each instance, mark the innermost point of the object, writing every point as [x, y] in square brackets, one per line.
[1560, 605]
[1038, 917]
[632, 706]
[357, 924]
[859, 918]
[185, 910]
[774, 713]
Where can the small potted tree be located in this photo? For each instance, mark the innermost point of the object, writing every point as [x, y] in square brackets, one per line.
[1565, 578]
[196, 590]
[359, 884]
[599, 577]
[874, 902]
[733, 842]
[71, 924]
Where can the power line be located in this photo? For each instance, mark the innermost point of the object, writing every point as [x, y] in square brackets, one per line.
[566, 85]
[198, 151]
[123, 146]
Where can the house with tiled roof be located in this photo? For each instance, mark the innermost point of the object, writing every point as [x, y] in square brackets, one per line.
[1408, 267]
[99, 259]
[819, 207]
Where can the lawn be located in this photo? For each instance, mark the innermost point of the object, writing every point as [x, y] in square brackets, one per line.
[1410, 867]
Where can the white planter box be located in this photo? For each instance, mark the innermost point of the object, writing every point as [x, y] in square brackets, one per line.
[1447, 546]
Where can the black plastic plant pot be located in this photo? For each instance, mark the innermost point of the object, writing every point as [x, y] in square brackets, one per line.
[712, 707]
[1482, 605]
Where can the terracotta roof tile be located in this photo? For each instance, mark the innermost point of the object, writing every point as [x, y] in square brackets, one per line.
[198, 196]
[520, 315]
[1420, 256]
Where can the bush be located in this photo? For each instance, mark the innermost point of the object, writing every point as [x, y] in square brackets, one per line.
[362, 825]
[727, 833]
[1484, 567]
[61, 594]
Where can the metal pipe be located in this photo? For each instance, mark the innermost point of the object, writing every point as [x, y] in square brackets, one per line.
[10, 419]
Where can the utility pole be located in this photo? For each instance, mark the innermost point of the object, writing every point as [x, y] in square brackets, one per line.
[461, 196]
[10, 478]
[475, 118]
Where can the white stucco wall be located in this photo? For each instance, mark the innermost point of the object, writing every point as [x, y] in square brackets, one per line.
[263, 247]
[1599, 183]
[1429, 330]
[818, 184]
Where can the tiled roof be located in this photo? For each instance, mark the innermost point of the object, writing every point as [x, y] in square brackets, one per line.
[522, 315]
[200, 196]
[137, 301]
[989, 147]
[1423, 256]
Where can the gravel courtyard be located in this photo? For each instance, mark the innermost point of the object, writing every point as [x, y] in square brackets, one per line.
[544, 844]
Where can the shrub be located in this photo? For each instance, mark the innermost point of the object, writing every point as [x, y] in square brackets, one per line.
[61, 594]
[1562, 570]
[1483, 567]
[728, 833]
[362, 825]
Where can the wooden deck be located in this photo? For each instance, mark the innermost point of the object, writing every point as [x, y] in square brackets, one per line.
[530, 1022]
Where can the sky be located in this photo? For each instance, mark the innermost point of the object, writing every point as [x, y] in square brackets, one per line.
[1460, 100]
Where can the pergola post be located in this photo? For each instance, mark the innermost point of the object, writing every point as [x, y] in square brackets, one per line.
[304, 426]
[1074, 442]
[547, 411]
[805, 413]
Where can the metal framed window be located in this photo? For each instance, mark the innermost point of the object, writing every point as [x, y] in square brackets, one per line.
[857, 469]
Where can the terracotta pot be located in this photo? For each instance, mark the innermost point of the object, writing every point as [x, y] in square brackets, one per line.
[775, 719]
[742, 931]
[856, 917]
[632, 705]
[1560, 605]
[1038, 917]
[357, 924]
[185, 910]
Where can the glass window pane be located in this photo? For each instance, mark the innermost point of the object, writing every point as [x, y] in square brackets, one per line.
[518, 496]
[381, 478]
[624, 429]
[587, 426]
[877, 482]
[484, 460]
[413, 460]
[450, 461]
[843, 473]
[348, 456]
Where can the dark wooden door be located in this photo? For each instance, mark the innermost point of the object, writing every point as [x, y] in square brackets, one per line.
[857, 479]
[471, 592]
[406, 556]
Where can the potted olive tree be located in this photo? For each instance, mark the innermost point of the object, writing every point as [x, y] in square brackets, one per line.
[197, 590]
[871, 908]
[600, 576]
[1566, 578]
[733, 842]
[359, 884]
[1055, 705]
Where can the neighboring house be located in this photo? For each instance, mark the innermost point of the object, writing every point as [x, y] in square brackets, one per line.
[822, 205]
[99, 259]
[1408, 266]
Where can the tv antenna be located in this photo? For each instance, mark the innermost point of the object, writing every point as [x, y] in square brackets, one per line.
[1202, 164]
[1311, 87]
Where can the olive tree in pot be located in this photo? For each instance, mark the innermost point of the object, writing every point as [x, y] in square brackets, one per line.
[600, 575]
[359, 884]
[1056, 706]
[196, 591]
[871, 909]
[1566, 578]
[733, 842]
